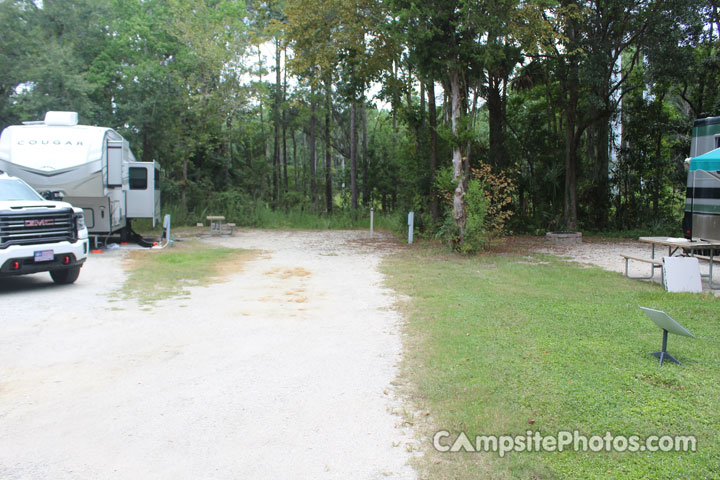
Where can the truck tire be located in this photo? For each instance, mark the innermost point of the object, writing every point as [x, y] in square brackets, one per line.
[65, 276]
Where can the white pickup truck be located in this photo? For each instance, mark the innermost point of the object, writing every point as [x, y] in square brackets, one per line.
[39, 235]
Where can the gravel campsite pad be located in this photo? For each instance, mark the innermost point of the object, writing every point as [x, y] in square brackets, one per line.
[284, 369]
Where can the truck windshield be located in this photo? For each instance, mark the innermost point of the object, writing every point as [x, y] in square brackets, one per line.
[11, 189]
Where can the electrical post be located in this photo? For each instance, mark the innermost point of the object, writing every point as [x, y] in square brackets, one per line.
[411, 226]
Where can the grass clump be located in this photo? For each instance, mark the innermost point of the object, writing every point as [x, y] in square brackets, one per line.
[499, 345]
[160, 274]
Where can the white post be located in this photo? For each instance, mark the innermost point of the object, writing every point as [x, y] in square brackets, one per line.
[166, 225]
[372, 212]
[411, 221]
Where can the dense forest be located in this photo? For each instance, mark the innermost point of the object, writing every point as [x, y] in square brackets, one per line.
[482, 117]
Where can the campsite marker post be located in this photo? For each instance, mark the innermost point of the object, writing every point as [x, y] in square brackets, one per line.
[411, 226]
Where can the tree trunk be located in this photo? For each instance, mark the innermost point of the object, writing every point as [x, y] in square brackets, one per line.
[183, 192]
[312, 160]
[466, 111]
[295, 168]
[408, 100]
[498, 159]
[599, 156]
[146, 144]
[276, 124]
[424, 152]
[228, 152]
[549, 117]
[284, 155]
[365, 182]
[284, 129]
[658, 176]
[459, 215]
[570, 199]
[305, 168]
[353, 156]
[432, 114]
[328, 157]
[266, 150]
[423, 120]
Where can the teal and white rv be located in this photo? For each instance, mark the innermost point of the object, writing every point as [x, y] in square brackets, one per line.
[702, 202]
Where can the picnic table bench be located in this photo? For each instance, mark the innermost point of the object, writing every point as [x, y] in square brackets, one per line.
[655, 263]
[707, 258]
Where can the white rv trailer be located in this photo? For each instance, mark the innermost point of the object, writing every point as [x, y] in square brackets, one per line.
[92, 168]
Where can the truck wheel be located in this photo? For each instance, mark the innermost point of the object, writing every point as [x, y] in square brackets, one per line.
[65, 276]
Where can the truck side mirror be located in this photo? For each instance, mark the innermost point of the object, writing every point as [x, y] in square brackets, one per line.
[53, 195]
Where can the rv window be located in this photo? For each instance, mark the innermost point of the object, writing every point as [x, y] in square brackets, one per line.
[138, 178]
[717, 141]
[156, 183]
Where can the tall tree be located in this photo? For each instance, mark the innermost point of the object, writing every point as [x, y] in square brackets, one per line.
[328, 147]
[354, 54]
[443, 44]
[591, 39]
[17, 22]
[277, 126]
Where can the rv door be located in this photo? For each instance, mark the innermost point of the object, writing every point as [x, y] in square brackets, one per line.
[143, 197]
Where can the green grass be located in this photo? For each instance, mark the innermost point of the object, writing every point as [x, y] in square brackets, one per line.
[160, 274]
[496, 341]
[296, 219]
[259, 215]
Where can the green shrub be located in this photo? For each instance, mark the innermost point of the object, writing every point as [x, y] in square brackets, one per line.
[476, 204]
[487, 210]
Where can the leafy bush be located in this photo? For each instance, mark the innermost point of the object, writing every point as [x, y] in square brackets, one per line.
[487, 200]
[498, 188]
[477, 204]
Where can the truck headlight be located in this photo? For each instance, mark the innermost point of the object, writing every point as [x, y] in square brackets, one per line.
[80, 221]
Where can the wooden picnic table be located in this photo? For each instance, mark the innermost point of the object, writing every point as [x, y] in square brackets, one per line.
[687, 246]
[216, 223]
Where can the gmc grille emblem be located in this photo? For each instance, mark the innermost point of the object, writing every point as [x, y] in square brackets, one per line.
[40, 223]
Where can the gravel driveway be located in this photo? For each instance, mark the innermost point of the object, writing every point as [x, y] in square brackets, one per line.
[283, 371]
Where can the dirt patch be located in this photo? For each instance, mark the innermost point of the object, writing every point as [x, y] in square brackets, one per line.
[286, 273]
[294, 272]
[235, 263]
